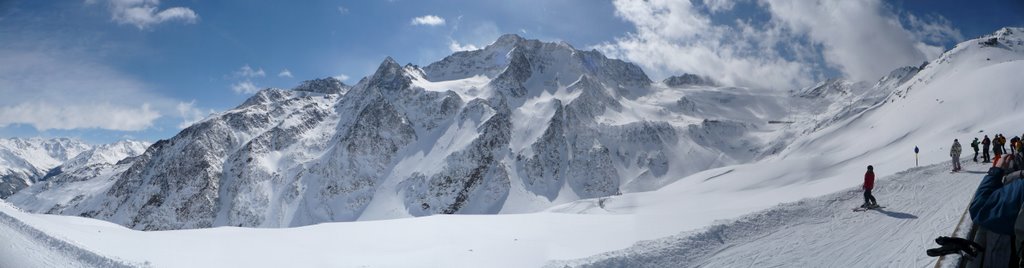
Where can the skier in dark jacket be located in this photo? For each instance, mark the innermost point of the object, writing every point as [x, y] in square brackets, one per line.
[974, 145]
[998, 152]
[985, 143]
[1014, 144]
[869, 184]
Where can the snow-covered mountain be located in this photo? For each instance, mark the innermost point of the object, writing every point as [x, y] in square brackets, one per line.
[517, 126]
[400, 135]
[24, 162]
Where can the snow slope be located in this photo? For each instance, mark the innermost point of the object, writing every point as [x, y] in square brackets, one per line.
[922, 203]
[28, 247]
[971, 90]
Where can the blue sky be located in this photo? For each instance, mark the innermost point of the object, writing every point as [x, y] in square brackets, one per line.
[103, 70]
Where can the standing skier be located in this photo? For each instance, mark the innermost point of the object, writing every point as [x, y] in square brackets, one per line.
[974, 145]
[1015, 144]
[998, 151]
[985, 143]
[1002, 143]
[869, 183]
[955, 153]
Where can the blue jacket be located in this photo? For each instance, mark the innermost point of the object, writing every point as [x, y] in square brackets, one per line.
[995, 206]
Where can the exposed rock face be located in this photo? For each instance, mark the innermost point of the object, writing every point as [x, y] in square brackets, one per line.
[689, 80]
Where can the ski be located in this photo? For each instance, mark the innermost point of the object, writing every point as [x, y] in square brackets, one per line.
[859, 209]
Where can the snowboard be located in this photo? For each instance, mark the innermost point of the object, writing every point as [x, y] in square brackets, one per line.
[858, 209]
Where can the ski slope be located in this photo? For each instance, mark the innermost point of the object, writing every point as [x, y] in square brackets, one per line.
[25, 246]
[819, 232]
[922, 203]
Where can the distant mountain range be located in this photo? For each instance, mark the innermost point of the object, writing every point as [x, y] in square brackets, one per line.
[518, 126]
[24, 162]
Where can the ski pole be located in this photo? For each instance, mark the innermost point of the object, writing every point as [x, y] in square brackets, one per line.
[916, 150]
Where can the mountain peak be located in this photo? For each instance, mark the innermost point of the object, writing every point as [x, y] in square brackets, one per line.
[327, 85]
[389, 75]
[508, 39]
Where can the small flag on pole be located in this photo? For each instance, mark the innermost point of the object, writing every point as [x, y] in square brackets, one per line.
[916, 150]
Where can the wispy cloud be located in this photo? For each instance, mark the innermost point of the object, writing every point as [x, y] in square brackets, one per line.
[244, 87]
[428, 20]
[934, 28]
[454, 46]
[46, 115]
[249, 72]
[245, 75]
[342, 77]
[342, 10]
[56, 90]
[285, 73]
[190, 114]
[145, 13]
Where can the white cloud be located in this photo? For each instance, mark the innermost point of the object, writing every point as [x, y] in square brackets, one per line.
[285, 73]
[672, 37]
[456, 47]
[429, 20]
[342, 77]
[249, 72]
[342, 10]
[146, 13]
[244, 87]
[862, 39]
[56, 90]
[190, 114]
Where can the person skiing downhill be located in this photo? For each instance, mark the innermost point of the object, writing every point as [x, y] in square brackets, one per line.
[869, 184]
[974, 145]
[985, 143]
[955, 153]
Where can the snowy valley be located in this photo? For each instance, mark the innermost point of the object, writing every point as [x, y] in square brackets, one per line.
[547, 154]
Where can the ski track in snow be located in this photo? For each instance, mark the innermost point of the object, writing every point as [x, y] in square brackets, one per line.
[26, 246]
[922, 203]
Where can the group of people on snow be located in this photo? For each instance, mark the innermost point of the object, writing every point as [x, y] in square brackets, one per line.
[997, 145]
[997, 203]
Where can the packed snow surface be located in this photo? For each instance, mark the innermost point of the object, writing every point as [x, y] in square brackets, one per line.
[922, 203]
